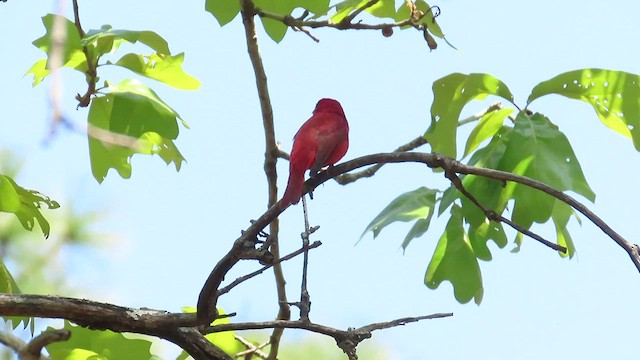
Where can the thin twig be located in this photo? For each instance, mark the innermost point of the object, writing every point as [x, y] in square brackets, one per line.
[92, 74]
[244, 278]
[494, 107]
[348, 19]
[305, 299]
[271, 151]
[306, 31]
[347, 340]
[493, 216]
[291, 21]
[345, 179]
[33, 350]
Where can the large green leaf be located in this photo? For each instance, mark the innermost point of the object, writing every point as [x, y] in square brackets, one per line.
[537, 149]
[415, 205]
[25, 204]
[107, 39]
[133, 110]
[164, 68]
[223, 10]
[451, 94]
[614, 95]
[98, 345]
[454, 261]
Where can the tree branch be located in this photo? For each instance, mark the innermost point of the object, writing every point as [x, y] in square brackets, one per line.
[345, 179]
[347, 340]
[91, 73]
[208, 298]
[493, 216]
[271, 156]
[175, 327]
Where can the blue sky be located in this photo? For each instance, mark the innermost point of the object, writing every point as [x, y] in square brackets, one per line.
[176, 225]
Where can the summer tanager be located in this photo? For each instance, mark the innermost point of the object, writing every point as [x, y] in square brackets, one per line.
[321, 141]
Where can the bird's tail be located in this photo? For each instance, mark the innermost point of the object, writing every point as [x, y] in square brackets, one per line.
[293, 191]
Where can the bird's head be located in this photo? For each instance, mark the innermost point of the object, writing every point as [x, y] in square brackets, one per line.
[329, 106]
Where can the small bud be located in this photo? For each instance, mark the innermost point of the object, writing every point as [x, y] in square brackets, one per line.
[387, 31]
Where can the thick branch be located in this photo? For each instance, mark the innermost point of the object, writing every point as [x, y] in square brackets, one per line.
[175, 327]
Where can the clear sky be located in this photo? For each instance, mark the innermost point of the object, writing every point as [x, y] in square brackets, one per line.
[176, 225]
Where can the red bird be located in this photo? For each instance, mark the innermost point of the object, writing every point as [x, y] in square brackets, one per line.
[321, 141]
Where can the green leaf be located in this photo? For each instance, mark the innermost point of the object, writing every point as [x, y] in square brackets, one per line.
[344, 8]
[489, 125]
[95, 344]
[39, 71]
[451, 94]
[8, 286]
[225, 340]
[414, 205]
[107, 39]
[614, 95]
[25, 204]
[454, 261]
[428, 20]
[223, 10]
[7, 283]
[561, 215]
[317, 7]
[274, 28]
[71, 51]
[537, 149]
[164, 68]
[383, 9]
[148, 124]
[490, 193]
[9, 198]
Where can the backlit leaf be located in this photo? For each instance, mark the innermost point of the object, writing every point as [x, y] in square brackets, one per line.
[614, 95]
[164, 68]
[451, 94]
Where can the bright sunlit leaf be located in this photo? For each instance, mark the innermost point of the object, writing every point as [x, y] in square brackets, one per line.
[451, 94]
[164, 68]
[486, 128]
[25, 204]
[98, 345]
[107, 39]
[225, 340]
[131, 119]
[614, 95]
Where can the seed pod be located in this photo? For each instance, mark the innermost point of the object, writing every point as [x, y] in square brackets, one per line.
[429, 39]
